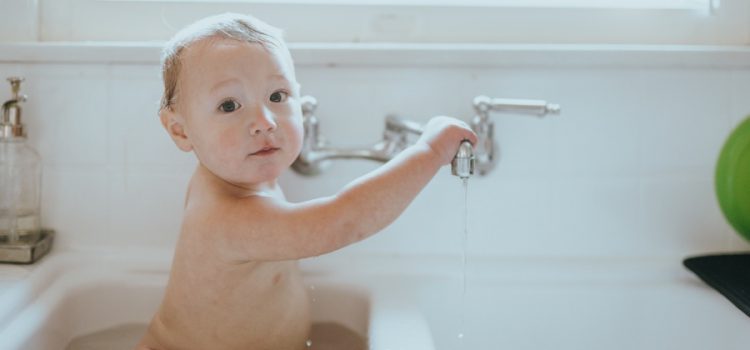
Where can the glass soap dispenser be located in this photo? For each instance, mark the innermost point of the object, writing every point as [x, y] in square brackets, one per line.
[20, 175]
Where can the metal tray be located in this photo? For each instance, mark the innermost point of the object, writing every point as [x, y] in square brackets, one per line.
[27, 252]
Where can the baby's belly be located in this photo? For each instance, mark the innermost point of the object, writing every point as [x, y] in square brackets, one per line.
[263, 306]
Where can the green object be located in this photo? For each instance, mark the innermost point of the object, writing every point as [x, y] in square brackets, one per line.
[733, 179]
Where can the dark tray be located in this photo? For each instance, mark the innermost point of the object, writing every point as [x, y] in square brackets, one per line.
[727, 273]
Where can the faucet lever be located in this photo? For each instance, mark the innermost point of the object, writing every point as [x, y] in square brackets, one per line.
[483, 105]
[398, 124]
[463, 163]
[484, 127]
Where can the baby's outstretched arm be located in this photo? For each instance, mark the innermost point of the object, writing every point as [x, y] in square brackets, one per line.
[274, 230]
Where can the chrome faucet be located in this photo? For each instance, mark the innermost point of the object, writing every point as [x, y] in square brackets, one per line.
[315, 151]
[484, 127]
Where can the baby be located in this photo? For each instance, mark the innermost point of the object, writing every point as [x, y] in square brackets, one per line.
[231, 97]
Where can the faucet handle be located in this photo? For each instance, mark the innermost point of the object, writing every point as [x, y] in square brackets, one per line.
[485, 128]
[483, 105]
[398, 124]
[309, 105]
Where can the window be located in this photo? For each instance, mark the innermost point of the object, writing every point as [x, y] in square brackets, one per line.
[705, 22]
[701, 5]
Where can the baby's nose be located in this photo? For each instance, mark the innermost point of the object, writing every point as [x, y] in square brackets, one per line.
[263, 123]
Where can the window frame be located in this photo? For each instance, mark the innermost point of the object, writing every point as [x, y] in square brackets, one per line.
[701, 5]
[413, 21]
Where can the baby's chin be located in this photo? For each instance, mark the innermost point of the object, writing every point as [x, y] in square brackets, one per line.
[255, 178]
[245, 179]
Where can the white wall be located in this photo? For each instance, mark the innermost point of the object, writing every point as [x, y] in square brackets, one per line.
[625, 171]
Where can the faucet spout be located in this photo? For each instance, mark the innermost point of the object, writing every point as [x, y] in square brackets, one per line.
[463, 163]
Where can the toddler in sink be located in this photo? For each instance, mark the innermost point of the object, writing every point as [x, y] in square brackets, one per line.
[231, 97]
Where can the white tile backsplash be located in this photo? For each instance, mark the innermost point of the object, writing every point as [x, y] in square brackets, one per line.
[146, 205]
[685, 118]
[598, 130]
[136, 134]
[67, 112]
[739, 92]
[75, 202]
[625, 170]
[682, 212]
[592, 215]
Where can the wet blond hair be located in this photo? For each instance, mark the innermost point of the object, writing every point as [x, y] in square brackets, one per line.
[228, 25]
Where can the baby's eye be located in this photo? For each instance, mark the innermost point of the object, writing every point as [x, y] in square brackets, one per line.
[279, 96]
[229, 106]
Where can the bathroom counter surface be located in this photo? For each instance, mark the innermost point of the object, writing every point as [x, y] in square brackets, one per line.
[12, 274]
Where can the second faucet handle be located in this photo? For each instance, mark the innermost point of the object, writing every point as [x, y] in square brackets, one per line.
[486, 150]
[484, 104]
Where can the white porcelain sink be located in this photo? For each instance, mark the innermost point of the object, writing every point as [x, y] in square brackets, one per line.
[578, 303]
[73, 295]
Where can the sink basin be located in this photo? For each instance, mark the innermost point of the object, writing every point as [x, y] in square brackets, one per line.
[580, 303]
[70, 296]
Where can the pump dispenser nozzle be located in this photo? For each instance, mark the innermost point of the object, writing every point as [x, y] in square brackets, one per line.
[10, 124]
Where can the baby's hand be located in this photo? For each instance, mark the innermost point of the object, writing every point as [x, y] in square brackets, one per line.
[444, 135]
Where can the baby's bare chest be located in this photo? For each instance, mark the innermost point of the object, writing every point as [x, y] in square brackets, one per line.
[229, 300]
[240, 284]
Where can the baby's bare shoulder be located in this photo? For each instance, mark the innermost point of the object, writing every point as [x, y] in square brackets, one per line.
[257, 227]
[229, 210]
[236, 228]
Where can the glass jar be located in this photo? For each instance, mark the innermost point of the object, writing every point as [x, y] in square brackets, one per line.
[20, 180]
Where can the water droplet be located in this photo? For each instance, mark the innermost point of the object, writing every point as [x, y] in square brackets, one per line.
[308, 343]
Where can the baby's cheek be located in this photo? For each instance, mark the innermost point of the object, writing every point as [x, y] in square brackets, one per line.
[295, 134]
[228, 143]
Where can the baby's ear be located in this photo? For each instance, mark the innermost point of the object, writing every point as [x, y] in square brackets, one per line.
[174, 124]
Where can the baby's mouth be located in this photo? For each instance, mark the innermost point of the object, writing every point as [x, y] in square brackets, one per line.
[265, 151]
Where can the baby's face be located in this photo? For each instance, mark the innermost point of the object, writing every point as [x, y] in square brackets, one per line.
[241, 109]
